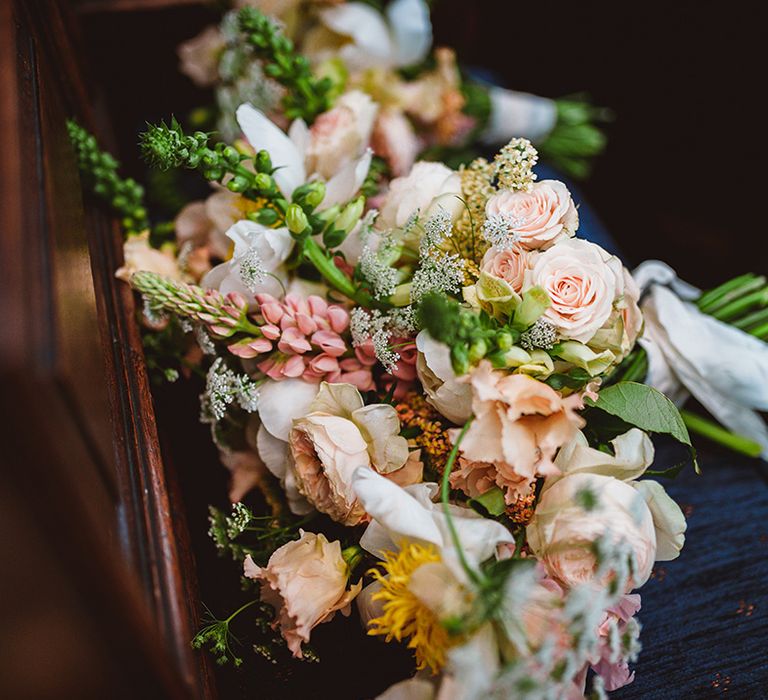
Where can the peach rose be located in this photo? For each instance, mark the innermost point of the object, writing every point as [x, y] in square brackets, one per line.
[139, 256]
[509, 265]
[583, 282]
[306, 583]
[338, 435]
[340, 135]
[426, 185]
[538, 218]
[563, 532]
[519, 422]
[475, 478]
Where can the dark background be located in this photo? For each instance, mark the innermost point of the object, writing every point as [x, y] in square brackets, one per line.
[681, 178]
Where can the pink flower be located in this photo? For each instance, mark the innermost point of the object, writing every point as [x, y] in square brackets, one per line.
[509, 265]
[139, 256]
[562, 533]
[539, 218]
[475, 478]
[306, 583]
[519, 422]
[340, 135]
[583, 282]
[613, 666]
[395, 140]
[338, 435]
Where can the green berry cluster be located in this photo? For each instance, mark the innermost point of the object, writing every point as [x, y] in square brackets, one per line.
[470, 336]
[307, 95]
[99, 169]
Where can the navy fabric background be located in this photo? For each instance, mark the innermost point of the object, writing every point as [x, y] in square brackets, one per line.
[704, 615]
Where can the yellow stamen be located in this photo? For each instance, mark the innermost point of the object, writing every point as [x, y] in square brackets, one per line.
[404, 615]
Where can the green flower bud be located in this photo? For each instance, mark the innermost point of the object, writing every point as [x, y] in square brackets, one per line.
[350, 215]
[333, 238]
[231, 155]
[460, 359]
[477, 350]
[265, 184]
[504, 340]
[265, 217]
[316, 194]
[263, 162]
[296, 219]
[238, 184]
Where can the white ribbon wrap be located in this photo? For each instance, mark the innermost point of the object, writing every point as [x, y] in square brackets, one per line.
[689, 352]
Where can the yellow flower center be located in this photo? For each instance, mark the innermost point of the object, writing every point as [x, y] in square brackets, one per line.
[404, 616]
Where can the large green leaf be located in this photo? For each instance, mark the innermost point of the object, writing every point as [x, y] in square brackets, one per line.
[646, 408]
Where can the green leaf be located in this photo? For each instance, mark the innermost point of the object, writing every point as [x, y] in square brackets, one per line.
[646, 408]
[489, 503]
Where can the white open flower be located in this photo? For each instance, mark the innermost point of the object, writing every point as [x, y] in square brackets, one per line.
[363, 38]
[256, 266]
[290, 152]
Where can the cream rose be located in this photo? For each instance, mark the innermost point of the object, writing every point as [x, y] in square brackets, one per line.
[509, 265]
[340, 135]
[582, 281]
[306, 583]
[426, 186]
[536, 219]
[339, 434]
[564, 528]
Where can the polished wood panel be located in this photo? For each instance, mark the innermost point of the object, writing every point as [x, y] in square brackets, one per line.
[91, 519]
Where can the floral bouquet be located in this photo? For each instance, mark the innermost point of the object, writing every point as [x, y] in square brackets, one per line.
[427, 387]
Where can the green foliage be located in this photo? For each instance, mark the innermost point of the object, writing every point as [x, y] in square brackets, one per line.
[217, 636]
[99, 171]
[471, 336]
[241, 533]
[307, 96]
[646, 408]
[576, 137]
[490, 503]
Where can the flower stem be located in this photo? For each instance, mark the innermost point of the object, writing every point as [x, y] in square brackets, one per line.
[241, 609]
[445, 489]
[709, 300]
[708, 429]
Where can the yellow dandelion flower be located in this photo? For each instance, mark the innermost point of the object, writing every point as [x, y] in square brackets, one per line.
[404, 615]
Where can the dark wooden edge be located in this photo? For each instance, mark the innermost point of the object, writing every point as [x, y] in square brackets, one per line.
[151, 520]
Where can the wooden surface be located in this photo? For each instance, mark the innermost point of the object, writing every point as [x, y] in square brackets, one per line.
[92, 527]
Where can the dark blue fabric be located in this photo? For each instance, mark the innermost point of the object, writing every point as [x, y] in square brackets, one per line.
[704, 615]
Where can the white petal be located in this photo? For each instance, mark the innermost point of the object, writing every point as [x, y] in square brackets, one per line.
[299, 133]
[395, 511]
[668, 520]
[276, 455]
[520, 114]
[411, 30]
[346, 183]
[263, 134]
[280, 403]
[633, 455]
[371, 42]
[410, 689]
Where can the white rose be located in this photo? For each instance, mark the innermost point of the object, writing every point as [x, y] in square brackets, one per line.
[563, 532]
[582, 281]
[538, 218]
[451, 398]
[427, 185]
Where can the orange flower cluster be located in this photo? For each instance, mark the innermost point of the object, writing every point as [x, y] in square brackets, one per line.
[415, 412]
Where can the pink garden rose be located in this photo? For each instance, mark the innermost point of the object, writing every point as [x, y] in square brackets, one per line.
[338, 435]
[306, 583]
[519, 423]
[340, 135]
[395, 140]
[583, 282]
[563, 532]
[509, 265]
[538, 218]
